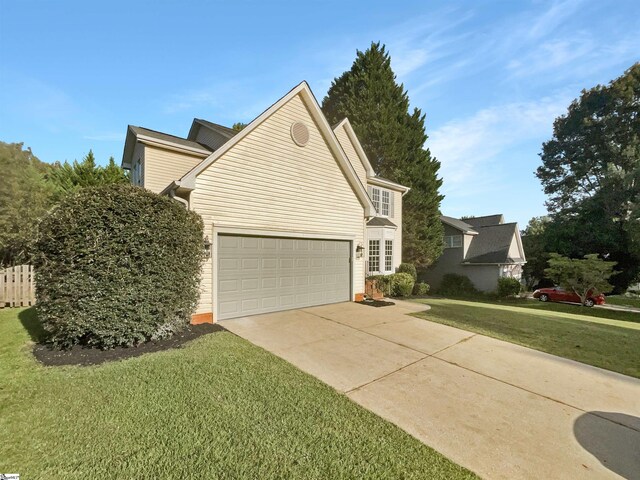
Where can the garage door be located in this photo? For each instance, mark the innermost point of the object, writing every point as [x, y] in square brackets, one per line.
[267, 274]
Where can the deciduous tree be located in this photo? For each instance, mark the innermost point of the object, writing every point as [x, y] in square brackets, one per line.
[585, 277]
[591, 172]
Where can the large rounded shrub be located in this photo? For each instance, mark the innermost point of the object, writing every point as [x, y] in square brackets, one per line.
[117, 265]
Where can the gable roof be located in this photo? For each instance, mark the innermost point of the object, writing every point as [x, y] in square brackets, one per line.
[302, 89]
[492, 245]
[220, 129]
[146, 135]
[458, 224]
[485, 220]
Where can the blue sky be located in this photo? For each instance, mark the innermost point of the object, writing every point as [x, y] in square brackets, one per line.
[491, 76]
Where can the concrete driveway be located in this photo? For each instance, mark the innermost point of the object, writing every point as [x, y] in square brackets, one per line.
[501, 410]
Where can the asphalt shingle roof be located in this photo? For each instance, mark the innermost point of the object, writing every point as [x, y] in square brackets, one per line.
[459, 224]
[380, 222]
[168, 138]
[492, 243]
[485, 221]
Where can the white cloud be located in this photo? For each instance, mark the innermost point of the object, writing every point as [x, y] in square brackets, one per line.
[468, 148]
[106, 137]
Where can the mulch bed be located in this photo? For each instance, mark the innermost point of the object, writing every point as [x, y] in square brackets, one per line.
[79, 355]
[376, 303]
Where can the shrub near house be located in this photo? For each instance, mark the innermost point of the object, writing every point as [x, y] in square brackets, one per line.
[117, 265]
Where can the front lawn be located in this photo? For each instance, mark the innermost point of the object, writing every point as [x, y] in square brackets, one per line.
[623, 301]
[217, 408]
[598, 337]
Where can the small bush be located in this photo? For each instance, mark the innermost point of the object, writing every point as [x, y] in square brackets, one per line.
[421, 289]
[508, 287]
[456, 285]
[401, 284]
[409, 268]
[117, 265]
[383, 283]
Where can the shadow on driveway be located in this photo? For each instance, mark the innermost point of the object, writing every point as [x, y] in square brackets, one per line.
[609, 438]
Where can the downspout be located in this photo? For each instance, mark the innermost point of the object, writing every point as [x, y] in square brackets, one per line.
[172, 194]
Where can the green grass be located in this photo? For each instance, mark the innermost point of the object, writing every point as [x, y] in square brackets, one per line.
[578, 334]
[218, 408]
[623, 301]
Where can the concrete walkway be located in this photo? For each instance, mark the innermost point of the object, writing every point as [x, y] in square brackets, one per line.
[501, 410]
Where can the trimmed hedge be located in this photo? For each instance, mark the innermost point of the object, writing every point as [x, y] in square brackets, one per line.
[117, 265]
[395, 284]
[508, 287]
[453, 284]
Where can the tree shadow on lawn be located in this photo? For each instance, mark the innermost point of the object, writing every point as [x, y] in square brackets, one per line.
[613, 438]
[84, 356]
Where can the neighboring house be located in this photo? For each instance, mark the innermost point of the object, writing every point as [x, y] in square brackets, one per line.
[482, 248]
[294, 214]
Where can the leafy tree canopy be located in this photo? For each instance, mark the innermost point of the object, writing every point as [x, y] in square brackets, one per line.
[31, 187]
[70, 177]
[585, 277]
[24, 197]
[591, 172]
[238, 126]
[393, 138]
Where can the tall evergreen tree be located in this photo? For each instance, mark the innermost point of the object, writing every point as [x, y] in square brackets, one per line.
[70, 177]
[393, 138]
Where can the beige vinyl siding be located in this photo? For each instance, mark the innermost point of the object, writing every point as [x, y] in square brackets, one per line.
[397, 219]
[352, 155]
[514, 250]
[164, 166]
[211, 139]
[267, 182]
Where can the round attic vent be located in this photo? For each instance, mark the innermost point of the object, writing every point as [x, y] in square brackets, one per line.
[300, 134]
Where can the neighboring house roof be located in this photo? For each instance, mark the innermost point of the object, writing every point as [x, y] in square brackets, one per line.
[458, 224]
[381, 222]
[147, 135]
[484, 221]
[188, 180]
[492, 245]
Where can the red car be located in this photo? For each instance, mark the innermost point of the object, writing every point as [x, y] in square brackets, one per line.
[558, 294]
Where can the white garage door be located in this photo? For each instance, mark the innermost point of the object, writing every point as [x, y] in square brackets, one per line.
[267, 274]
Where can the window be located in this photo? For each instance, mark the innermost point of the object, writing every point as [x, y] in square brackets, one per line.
[376, 198]
[136, 173]
[385, 203]
[388, 255]
[452, 241]
[374, 255]
[381, 201]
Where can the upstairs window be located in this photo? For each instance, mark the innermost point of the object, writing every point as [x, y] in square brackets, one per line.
[137, 173]
[381, 201]
[452, 241]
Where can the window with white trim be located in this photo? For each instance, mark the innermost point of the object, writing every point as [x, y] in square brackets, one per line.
[374, 255]
[381, 200]
[388, 255]
[452, 241]
[375, 194]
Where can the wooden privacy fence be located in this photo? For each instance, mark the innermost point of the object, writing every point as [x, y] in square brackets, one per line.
[16, 287]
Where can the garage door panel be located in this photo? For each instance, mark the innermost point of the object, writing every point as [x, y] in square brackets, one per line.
[266, 274]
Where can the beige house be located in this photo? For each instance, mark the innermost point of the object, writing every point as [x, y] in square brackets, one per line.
[481, 248]
[294, 214]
